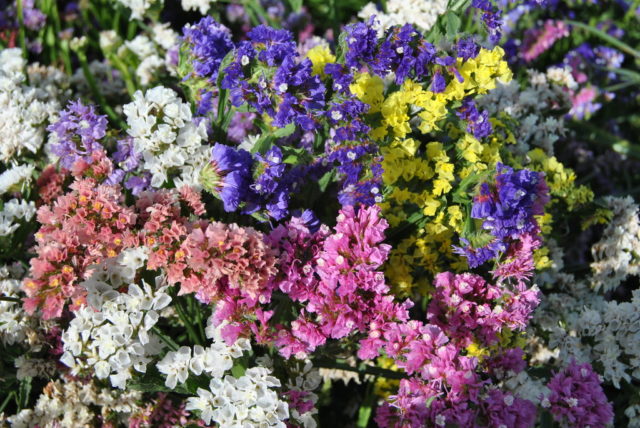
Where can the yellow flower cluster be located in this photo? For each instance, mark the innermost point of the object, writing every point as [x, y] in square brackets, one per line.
[420, 177]
[479, 76]
[561, 180]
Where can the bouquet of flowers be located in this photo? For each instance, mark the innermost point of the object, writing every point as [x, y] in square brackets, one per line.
[266, 213]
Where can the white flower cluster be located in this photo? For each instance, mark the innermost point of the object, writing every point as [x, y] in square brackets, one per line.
[13, 211]
[70, 403]
[421, 13]
[614, 330]
[617, 254]
[213, 361]
[116, 338]
[533, 107]
[247, 401]
[24, 110]
[201, 5]
[14, 322]
[114, 272]
[164, 132]
[15, 178]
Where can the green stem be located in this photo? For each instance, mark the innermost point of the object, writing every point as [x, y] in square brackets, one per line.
[196, 309]
[9, 299]
[193, 336]
[612, 40]
[21, 33]
[96, 92]
[4, 404]
[167, 340]
[64, 44]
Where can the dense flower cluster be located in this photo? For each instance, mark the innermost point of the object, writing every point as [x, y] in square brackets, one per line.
[278, 215]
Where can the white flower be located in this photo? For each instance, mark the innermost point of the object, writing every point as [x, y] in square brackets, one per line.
[164, 133]
[421, 13]
[13, 211]
[616, 254]
[175, 365]
[245, 401]
[116, 339]
[202, 5]
[15, 177]
[138, 7]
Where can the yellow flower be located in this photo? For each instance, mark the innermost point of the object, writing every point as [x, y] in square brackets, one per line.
[369, 89]
[430, 206]
[441, 186]
[455, 217]
[320, 56]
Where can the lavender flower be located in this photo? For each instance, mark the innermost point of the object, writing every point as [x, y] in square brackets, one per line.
[228, 175]
[77, 132]
[209, 42]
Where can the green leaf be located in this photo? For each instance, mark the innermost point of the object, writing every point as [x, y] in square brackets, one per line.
[452, 23]
[325, 180]
[238, 369]
[285, 132]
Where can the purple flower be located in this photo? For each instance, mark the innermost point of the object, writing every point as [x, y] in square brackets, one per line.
[467, 48]
[509, 211]
[478, 123]
[491, 17]
[34, 19]
[577, 398]
[209, 42]
[228, 175]
[77, 133]
[362, 40]
[273, 45]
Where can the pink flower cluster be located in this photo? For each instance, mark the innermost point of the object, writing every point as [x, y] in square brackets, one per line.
[339, 283]
[539, 40]
[469, 309]
[82, 228]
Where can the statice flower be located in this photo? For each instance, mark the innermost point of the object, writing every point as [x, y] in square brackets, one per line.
[228, 175]
[349, 293]
[138, 7]
[208, 42]
[16, 178]
[402, 50]
[491, 16]
[577, 399]
[77, 133]
[422, 14]
[24, 110]
[249, 400]
[73, 402]
[114, 339]
[214, 360]
[15, 212]
[218, 259]
[615, 255]
[477, 123]
[467, 308]
[267, 74]
[84, 227]
[166, 136]
[539, 40]
[508, 208]
[15, 324]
